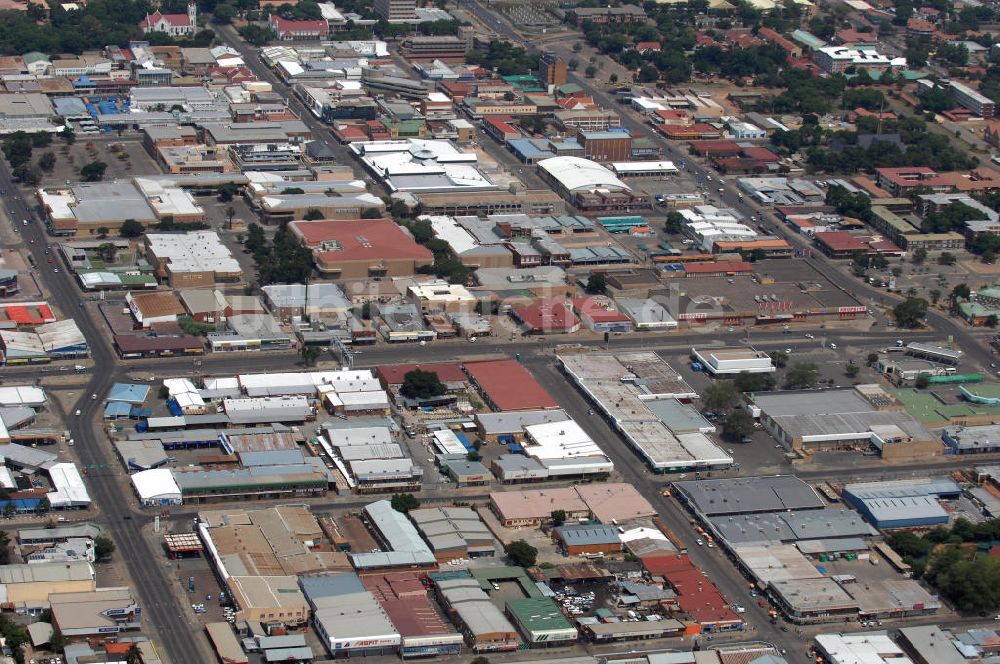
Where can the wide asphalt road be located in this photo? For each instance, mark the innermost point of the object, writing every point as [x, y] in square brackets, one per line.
[146, 569]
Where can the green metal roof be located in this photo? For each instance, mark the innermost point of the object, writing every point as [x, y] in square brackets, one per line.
[538, 614]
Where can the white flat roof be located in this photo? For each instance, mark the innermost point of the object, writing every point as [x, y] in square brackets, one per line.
[69, 488]
[155, 484]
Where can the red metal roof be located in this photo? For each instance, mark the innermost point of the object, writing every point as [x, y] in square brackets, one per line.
[841, 241]
[404, 599]
[361, 239]
[760, 153]
[700, 598]
[134, 343]
[447, 372]
[509, 385]
[547, 316]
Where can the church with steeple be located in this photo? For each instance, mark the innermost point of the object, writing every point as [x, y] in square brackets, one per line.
[175, 25]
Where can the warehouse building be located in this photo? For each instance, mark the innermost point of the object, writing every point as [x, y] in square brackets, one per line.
[264, 482]
[402, 546]
[540, 621]
[268, 599]
[423, 631]
[589, 186]
[868, 648]
[929, 644]
[94, 613]
[728, 361]
[508, 428]
[983, 439]
[484, 626]
[507, 386]
[585, 540]
[454, 532]
[361, 249]
[52, 341]
[627, 387]
[813, 600]
[348, 618]
[154, 486]
[863, 417]
[369, 458]
[564, 449]
[27, 587]
[196, 259]
[607, 502]
[747, 495]
[902, 503]
[307, 383]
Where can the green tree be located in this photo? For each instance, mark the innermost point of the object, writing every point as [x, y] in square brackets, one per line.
[919, 256]
[43, 505]
[522, 553]
[9, 510]
[230, 213]
[102, 232]
[991, 320]
[223, 14]
[910, 313]
[130, 228]
[753, 382]
[675, 223]
[255, 34]
[935, 295]
[420, 384]
[227, 191]
[872, 359]
[802, 375]
[134, 655]
[58, 641]
[312, 214]
[852, 370]
[719, 395]
[404, 502]
[738, 424]
[93, 171]
[590, 71]
[255, 240]
[648, 74]
[780, 358]
[68, 135]
[371, 213]
[558, 517]
[946, 258]
[961, 292]
[597, 283]
[47, 161]
[310, 354]
[908, 544]
[103, 547]
[922, 381]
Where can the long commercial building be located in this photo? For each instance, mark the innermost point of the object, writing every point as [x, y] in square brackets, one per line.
[630, 389]
[865, 417]
[484, 626]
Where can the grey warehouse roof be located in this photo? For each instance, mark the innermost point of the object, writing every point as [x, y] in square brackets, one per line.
[740, 495]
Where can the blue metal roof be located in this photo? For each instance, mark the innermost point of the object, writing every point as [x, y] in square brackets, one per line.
[129, 393]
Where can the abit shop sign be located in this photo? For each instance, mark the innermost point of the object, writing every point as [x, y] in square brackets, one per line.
[387, 641]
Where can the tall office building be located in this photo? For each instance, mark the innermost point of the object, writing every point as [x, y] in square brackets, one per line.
[396, 11]
[552, 69]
